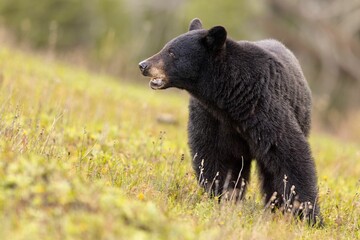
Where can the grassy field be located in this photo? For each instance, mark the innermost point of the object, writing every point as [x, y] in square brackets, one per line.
[85, 156]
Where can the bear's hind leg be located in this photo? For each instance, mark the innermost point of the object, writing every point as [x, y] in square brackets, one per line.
[288, 169]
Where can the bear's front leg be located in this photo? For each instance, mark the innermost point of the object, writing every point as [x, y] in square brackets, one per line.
[221, 158]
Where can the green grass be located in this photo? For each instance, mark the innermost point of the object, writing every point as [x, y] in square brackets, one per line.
[83, 156]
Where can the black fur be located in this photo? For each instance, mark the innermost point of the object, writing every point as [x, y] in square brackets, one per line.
[249, 100]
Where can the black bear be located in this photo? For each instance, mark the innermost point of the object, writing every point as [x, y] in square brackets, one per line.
[249, 100]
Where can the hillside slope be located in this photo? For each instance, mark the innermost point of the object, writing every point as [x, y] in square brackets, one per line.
[84, 157]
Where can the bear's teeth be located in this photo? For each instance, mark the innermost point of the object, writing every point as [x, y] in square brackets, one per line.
[157, 81]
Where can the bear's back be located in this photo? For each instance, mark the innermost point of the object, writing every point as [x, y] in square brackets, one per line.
[282, 54]
[292, 87]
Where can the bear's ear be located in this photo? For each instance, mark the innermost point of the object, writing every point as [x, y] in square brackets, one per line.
[195, 24]
[216, 38]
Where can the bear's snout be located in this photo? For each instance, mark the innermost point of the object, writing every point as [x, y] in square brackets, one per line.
[144, 66]
[154, 70]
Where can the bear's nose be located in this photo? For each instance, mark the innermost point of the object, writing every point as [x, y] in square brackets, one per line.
[143, 66]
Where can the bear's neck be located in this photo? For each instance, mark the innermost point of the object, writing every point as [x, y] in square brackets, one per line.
[232, 85]
[228, 86]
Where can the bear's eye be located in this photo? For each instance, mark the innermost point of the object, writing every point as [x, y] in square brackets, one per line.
[171, 54]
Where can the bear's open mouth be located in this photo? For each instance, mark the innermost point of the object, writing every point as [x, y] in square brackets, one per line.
[157, 83]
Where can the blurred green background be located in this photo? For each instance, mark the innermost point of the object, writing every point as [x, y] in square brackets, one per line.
[112, 36]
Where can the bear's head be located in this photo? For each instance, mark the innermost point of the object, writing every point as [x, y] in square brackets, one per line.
[180, 62]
